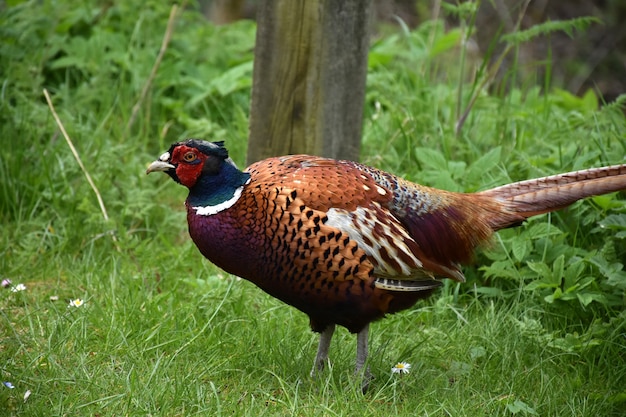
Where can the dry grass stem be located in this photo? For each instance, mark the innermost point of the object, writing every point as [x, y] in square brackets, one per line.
[491, 74]
[77, 157]
[157, 63]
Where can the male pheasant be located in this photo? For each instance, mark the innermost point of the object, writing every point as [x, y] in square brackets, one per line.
[346, 243]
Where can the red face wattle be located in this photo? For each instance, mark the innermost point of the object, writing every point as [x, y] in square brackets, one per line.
[189, 163]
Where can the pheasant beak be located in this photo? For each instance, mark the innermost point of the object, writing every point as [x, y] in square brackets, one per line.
[161, 164]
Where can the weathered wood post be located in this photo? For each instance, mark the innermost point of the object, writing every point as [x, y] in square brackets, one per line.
[309, 78]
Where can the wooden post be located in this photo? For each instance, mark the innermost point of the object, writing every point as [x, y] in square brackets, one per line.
[309, 78]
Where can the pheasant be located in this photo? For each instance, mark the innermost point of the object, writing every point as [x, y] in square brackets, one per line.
[346, 243]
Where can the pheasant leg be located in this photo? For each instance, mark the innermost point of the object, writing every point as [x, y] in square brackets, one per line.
[361, 348]
[322, 349]
[361, 357]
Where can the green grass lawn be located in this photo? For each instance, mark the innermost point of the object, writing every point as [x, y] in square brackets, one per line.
[538, 329]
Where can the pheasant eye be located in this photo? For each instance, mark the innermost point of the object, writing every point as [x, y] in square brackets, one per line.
[189, 157]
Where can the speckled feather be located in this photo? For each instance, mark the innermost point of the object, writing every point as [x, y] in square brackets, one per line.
[343, 242]
[283, 236]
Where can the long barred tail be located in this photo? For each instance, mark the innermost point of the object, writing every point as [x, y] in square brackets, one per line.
[542, 195]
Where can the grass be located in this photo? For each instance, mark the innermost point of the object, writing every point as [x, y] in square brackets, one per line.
[538, 329]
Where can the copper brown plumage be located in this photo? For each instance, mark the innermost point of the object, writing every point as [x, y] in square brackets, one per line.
[346, 243]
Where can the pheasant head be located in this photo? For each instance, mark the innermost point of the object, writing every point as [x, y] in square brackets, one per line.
[213, 179]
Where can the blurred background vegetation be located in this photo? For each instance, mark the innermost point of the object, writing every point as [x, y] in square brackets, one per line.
[594, 59]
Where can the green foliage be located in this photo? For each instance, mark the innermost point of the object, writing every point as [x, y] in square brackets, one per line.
[568, 26]
[537, 330]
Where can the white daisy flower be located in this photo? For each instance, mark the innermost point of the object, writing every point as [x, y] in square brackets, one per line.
[401, 368]
[76, 303]
[18, 288]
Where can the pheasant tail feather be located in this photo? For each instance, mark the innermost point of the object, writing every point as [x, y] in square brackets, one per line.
[542, 195]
